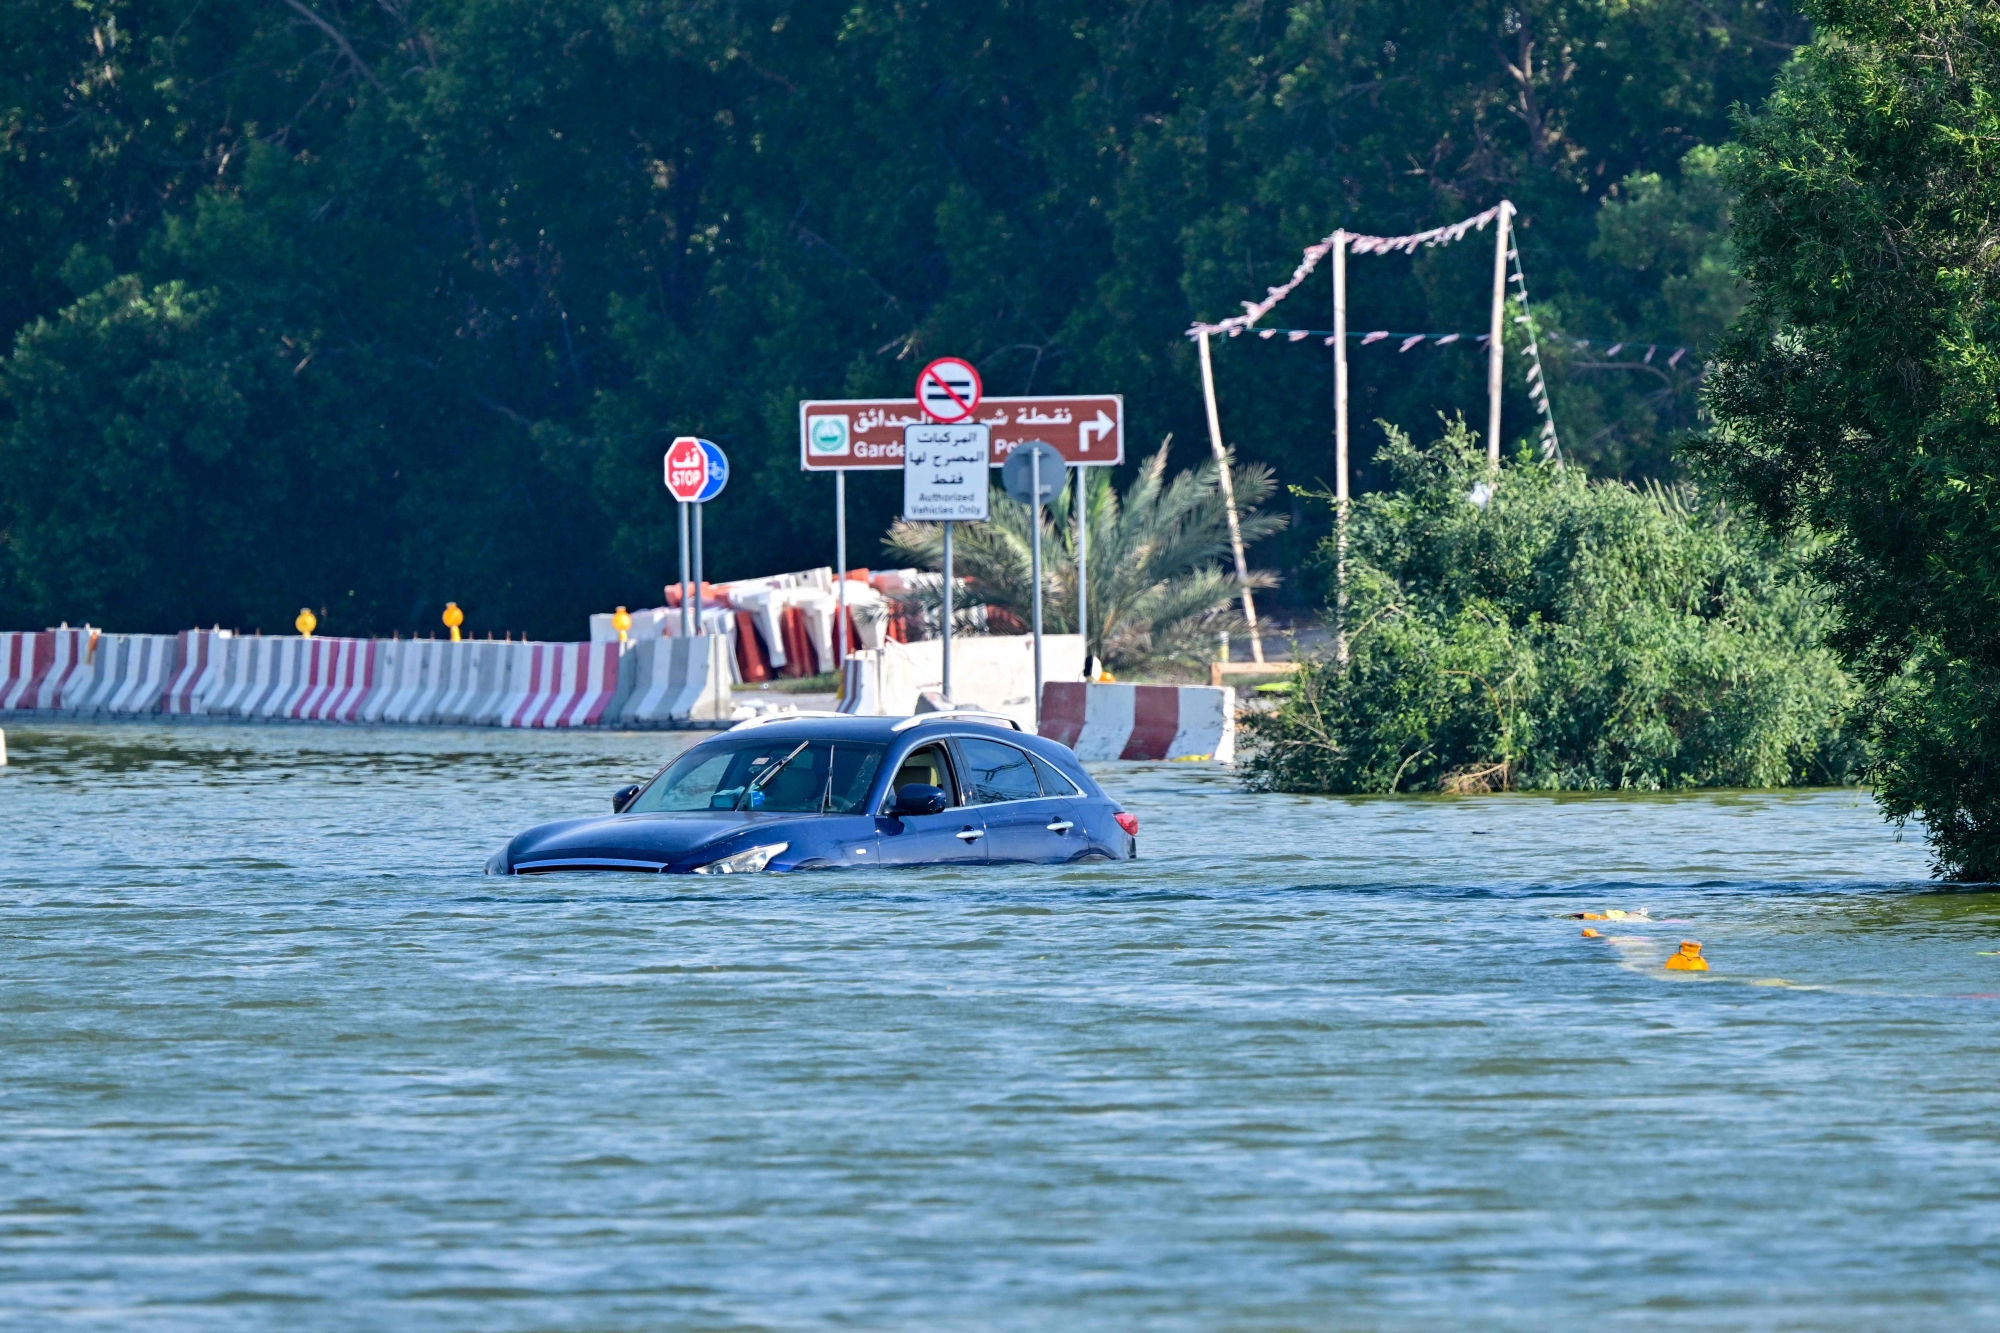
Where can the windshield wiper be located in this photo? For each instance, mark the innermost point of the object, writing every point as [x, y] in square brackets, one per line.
[756, 784]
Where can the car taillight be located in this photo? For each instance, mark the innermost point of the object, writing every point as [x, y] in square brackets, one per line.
[1130, 823]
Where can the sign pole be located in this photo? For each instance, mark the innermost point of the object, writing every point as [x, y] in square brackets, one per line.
[840, 560]
[1082, 500]
[947, 611]
[1229, 499]
[698, 543]
[685, 608]
[1340, 446]
[1495, 348]
[1035, 517]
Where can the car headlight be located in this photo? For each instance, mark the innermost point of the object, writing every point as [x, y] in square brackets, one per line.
[743, 863]
[497, 863]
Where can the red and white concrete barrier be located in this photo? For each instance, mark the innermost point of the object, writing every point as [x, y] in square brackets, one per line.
[198, 675]
[337, 676]
[567, 685]
[1141, 721]
[25, 659]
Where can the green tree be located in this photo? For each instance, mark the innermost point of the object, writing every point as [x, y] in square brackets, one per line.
[508, 248]
[1856, 398]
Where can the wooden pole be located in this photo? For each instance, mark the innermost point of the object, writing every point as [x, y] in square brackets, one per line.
[1229, 500]
[1495, 342]
[1340, 447]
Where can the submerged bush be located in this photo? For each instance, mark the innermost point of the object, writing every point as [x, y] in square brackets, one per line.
[1547, 632]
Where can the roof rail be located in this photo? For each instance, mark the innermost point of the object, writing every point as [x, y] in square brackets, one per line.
[955, 715]
[791, 716]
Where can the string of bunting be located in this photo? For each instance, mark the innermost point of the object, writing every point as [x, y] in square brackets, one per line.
[1612, 347]
[1360, 245]
[1538, 386]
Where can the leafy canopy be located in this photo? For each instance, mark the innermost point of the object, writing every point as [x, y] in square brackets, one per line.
[1858, 398]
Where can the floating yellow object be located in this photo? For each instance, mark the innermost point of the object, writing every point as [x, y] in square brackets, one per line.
[621, 620]
[307, 621]
[1586, 916]
[1590, 934]
[453, 618]
[1689, 959]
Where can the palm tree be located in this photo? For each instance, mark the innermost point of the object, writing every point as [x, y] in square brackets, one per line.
[1159, 589]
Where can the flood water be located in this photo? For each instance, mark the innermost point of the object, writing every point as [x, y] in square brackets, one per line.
[276, 1055]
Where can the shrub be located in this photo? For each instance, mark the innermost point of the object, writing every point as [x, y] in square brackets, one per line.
[1542, 631]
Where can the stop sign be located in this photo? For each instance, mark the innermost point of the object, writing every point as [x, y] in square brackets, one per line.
[687, 469]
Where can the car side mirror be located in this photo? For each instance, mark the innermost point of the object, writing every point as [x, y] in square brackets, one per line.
[622, 798]
[917, 798]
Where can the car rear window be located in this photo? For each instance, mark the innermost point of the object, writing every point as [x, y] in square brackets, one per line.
[774, 776]
[998, 773]
[1055, 782]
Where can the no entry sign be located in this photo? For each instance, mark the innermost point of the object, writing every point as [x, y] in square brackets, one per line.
[688, 470]
[948, 389]
[837, 434]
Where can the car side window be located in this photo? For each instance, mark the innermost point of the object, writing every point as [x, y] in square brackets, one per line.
[928, 766]
[1054, 781]
[996, 772]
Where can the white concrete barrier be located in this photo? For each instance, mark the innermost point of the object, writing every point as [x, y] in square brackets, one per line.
[398, 676]
[147, 668]
[675, 680]
[462, 664]
[285, 678]
[232, 676]
[1141, 721]
[991, 671]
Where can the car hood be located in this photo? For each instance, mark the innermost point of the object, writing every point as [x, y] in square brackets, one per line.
[633, 842]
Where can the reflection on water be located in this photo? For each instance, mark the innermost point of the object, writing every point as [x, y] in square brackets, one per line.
[278, 1056]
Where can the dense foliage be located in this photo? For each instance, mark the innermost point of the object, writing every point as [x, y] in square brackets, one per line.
[1857, 396]
[1549, 632]
[369, 303]
[1162, 578]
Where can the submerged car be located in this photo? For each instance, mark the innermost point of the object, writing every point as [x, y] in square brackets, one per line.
[815, 791]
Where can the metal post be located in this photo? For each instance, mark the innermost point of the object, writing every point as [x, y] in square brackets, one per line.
[1035, 545]
[840, 559]
[686, 610]
[1082, 500]
[946, 683]
[1229, 500]
[1340, 447]
[1495, 342]
[697, 565]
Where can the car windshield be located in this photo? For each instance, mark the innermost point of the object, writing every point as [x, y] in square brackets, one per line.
[766, 774]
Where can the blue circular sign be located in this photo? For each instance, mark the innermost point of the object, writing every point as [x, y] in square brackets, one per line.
[718, 472]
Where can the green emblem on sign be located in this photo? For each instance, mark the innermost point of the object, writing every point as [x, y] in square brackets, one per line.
[827, 435]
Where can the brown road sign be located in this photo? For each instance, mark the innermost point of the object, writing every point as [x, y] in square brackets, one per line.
[868, 432]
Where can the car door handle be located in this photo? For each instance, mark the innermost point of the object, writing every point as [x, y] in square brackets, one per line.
[972, 834]
[1061, 826]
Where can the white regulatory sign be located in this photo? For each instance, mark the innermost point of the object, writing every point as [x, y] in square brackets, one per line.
[945, 473]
